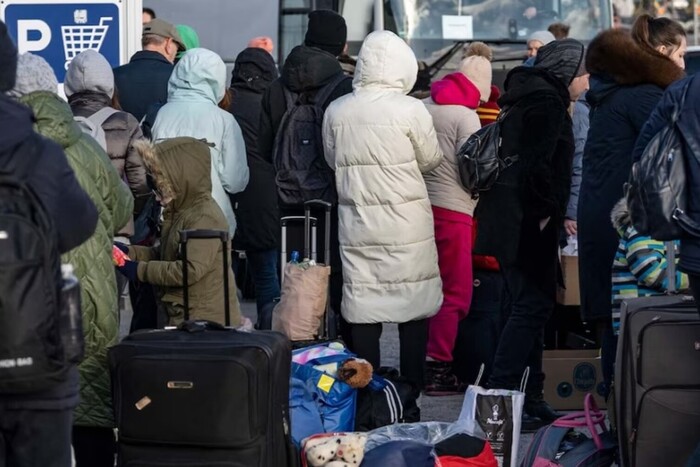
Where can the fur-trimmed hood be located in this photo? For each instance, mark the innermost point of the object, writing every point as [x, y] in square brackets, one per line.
[614, 56]
[180, 167]
[620, 215]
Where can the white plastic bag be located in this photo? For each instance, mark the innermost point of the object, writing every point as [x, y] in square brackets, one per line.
[499, 414]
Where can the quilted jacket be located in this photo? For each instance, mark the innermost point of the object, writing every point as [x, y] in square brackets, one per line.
[93, 259]
[379, 141]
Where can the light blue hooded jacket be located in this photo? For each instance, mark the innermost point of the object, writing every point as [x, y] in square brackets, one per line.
[197, 85]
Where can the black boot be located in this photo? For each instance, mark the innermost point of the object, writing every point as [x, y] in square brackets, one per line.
[440, 381]
[536, 406]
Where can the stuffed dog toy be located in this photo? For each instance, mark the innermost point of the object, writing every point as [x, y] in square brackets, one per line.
[342, 450]
[356, 372]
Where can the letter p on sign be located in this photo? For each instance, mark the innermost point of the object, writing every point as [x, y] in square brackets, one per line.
[27, 44]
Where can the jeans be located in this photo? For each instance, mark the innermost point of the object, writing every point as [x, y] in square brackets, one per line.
[35, 438]
[263, 267]
[453, 236]
[413, 338]
[531, 283]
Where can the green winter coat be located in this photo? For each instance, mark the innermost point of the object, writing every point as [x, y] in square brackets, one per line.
[93, 259]
[181, 169]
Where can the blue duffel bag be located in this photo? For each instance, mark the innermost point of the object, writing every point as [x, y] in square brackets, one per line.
[335, 401]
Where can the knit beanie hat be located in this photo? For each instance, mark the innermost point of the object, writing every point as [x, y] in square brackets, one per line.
[189, 38]
[33, 74]
[545, 37]
[477, 67]
[89, 71]
[327, 31]
[561, 58]
[8, 60]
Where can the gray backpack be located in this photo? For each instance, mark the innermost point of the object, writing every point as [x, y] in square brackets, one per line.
[300, 165]
[92, 125]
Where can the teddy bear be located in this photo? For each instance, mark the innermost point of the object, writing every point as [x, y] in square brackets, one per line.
[356, 372]
[342, 450]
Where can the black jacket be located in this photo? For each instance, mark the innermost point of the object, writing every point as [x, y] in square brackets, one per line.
[143, 82]
[626, 84]
[689, 125]
[306, 70]
[538, 130]
[256, 207]
[73, 214]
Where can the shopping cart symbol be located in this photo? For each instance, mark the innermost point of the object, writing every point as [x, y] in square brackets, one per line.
[78, 39]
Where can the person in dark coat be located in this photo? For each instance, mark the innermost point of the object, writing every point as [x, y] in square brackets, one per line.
[35, 429]
[627, 81]
[256, 207]
[521, 216]
[309, 68]
[143, 81]
[689, 125]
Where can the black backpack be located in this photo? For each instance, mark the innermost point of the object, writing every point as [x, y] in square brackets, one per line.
[302, 173]
[32, 356]
[656, 192]
[480, 161]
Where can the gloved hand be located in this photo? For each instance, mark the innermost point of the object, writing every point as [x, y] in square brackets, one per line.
[130, 270]
[123, 247]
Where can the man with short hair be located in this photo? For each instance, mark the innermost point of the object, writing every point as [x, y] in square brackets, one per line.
[148, 15]
[143, 81]
[35, 427]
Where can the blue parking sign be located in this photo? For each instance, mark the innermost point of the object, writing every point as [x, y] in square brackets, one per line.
[60, 31]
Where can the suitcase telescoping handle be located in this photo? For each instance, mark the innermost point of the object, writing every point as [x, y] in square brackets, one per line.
[308, 206]
[186, 236]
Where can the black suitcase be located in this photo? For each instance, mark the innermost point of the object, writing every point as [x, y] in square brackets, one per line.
[478, 334]
[202, 394]
[657, 381]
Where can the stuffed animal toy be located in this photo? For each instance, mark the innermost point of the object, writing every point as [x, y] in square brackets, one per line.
[342, 450]
[356, 372]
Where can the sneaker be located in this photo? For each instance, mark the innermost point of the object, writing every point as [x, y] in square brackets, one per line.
[536, 406]
[440, 381]
[530, 424]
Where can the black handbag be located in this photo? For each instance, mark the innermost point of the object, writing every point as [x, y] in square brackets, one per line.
[388, 399]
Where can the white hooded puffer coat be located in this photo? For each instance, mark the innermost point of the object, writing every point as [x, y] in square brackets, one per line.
[379, 142]
[197, 85]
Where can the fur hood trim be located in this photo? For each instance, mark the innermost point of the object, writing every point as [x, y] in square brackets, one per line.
[620, 215]
[614, 54]
[154, 168]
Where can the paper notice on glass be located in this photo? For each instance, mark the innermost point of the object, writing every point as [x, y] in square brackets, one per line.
[457, 27]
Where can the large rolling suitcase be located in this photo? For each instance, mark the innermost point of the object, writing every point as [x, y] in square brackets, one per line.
[657, 380]
[202, 394]
[292, 241]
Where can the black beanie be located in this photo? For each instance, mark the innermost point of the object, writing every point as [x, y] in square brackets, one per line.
[327, 31]
[8, 60]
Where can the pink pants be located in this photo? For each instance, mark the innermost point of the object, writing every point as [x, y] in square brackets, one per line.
[453, 235]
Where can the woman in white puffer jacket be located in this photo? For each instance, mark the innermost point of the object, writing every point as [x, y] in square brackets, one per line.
[379, 142]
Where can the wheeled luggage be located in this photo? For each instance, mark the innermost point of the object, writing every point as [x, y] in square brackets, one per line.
[657, 380]
[304, 312]
[202, 394]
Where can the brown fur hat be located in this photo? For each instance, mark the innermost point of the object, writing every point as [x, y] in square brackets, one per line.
[356, 372]
[614, 53]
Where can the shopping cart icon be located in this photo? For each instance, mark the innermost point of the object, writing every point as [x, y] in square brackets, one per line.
[80, 38]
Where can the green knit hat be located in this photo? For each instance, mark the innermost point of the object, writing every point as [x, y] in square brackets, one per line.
[189, 37]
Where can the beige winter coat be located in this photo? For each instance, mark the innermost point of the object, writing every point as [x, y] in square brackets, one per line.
[453, 125]
[380, 141]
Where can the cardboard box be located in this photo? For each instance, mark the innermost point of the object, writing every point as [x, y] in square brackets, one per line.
[570, 375]
[571, 295]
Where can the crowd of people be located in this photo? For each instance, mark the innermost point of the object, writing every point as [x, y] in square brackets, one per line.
[167, 130]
